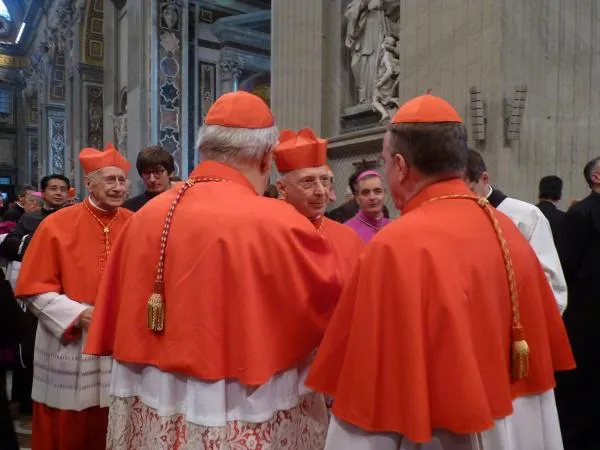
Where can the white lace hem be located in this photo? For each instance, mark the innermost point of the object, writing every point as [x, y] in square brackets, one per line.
[205, 403]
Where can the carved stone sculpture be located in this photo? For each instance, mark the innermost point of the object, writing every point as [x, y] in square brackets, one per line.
[369, 23]
[385, 98]
[120, 132]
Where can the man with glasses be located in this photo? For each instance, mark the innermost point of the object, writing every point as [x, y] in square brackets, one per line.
[58, 281]
[306, 185]
[156, 166]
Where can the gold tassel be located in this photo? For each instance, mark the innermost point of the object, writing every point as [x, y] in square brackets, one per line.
[156, 309]
[520, 354]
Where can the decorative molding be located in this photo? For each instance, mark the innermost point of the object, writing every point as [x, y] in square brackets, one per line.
[478, 118]
[170, 57]
[207, 82]
[12, 61]
[92, 37]
[231, 29]
[247, 60]
[56, 141]
[95, 126]
[231, 69]
[57, 80]
[33, 150]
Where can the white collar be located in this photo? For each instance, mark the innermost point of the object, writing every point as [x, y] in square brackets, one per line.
[95, 205]
[489, 192]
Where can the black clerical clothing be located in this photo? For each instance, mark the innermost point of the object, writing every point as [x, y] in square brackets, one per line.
[11, 248]
[578, 391]
[135, 203]
[554, 215]
[13, 213]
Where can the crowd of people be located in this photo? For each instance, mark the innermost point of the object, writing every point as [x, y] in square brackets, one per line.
[227, 312]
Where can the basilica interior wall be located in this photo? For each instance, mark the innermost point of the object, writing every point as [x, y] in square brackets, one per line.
[553, 48]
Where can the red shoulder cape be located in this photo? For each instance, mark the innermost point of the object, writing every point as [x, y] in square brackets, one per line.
[249, 284]
[421, 336]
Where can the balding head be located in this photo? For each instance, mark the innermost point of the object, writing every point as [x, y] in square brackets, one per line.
[591, 173]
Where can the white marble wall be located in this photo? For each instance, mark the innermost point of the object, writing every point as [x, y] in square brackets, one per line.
[297, 51]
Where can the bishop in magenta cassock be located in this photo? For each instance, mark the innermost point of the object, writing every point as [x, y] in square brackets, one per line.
[306, 184]
[447, 334]
[214, 301]
[59, 279]
[370, 194]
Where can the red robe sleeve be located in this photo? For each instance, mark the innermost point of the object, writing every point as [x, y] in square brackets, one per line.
[40, 269]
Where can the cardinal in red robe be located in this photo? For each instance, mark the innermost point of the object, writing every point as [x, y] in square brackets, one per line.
[214, 301]
[59, 280]
[447, 334]
[306, 184]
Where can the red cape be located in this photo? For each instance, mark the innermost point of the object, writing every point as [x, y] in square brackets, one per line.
[249, 284]
[421, 336]
[67, 253]
[346, 244]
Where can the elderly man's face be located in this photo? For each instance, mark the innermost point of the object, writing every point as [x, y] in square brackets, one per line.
[307, 190]
[108, 187]
[32, 203]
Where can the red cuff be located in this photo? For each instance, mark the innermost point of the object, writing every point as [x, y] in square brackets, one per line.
[73, 332]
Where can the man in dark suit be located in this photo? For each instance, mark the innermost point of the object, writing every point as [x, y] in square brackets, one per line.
[550, 193]
[578, 391]
[16, 210]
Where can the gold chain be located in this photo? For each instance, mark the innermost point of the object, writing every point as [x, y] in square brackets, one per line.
[156, 301]
[520, 364]
[105, 228]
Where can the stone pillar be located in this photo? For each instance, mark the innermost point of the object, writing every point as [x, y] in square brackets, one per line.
[297, 63]
[230, 74]
[74, 101]
[22, 157]
[139, 119]
[171, 62]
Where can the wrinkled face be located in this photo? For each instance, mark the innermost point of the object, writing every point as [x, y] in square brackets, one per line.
[23, 198]
[56, 193]
[32, 203]
[307, 190]
[369, 196]
[107, 187]
[156, 179]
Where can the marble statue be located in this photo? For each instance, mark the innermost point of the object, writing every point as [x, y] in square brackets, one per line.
[369, 22]
[385, 94]
[120, 132]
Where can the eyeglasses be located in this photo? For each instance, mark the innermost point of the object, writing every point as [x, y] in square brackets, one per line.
[312, 182]
[158, 172]
[113, 181]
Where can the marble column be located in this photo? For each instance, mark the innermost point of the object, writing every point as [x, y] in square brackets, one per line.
[297, 63]
[140, 73]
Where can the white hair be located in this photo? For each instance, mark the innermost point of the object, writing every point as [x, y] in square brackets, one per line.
[235, 146]
[94, 176]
